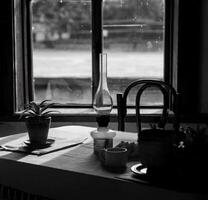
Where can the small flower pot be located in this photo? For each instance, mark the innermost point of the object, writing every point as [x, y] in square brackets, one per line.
[38, 128]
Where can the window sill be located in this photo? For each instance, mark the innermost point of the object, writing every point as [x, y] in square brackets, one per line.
[89, 115]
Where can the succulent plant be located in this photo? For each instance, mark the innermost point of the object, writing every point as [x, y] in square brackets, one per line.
[34, 109]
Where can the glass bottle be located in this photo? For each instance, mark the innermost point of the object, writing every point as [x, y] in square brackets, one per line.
[102, 104]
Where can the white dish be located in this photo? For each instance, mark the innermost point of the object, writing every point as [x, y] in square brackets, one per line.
[139, 169]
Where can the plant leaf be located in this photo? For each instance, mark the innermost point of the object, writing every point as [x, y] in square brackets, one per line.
[47, 106]
[31, 108]
[43, 102]
[37, 110]
[27, 112]
[35, 106]
[23, 113]
[31, 113]
[50, 111]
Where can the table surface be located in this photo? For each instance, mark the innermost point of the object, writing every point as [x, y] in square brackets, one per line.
[75, 172]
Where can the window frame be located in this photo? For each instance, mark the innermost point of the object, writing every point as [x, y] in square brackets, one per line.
[23, 74]
[97, 44]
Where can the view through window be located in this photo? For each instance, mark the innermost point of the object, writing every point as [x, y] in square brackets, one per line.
[62, 50]
[133, 38]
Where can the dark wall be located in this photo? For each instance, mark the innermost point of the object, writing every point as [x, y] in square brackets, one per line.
[6, 57]
[204, 67]
[190, 54]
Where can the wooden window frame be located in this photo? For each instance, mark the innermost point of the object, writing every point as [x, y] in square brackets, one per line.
[24, 84]
[26, 76]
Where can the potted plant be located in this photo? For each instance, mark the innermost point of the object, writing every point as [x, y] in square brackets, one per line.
[38, 121]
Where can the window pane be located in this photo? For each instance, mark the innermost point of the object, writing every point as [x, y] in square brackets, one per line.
[133, 33]
[62, 50]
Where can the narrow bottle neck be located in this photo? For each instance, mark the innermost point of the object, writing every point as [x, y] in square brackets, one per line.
[103, 71]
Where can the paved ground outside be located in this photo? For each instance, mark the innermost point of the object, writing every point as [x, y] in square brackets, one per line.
[65, 75]
[68, 63]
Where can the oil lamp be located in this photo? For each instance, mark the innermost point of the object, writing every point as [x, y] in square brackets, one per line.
[102, 104]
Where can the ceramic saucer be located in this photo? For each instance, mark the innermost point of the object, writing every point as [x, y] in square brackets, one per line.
[139, 170]
[48, 143]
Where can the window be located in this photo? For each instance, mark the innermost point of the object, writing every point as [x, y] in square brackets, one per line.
[180, 56]
[67, 37]
[133, 34]
[62, 61]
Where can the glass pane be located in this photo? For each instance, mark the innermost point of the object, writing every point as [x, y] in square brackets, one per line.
[133, 33]
[62, 50]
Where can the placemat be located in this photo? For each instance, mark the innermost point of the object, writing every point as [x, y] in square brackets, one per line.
[20, 145]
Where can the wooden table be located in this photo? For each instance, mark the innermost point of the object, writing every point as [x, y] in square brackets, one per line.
[76, 173]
